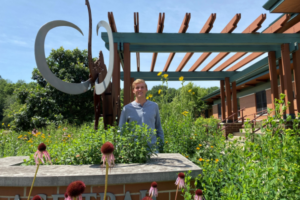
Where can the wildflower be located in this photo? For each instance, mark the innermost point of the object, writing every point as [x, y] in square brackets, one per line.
[181, 78]
[193, 93]
[186, 156]
[200, 159]
[108, 159]
[195, 134]
[166, 142]
[74, 190]
[207, 160]
[8, 125]
[69, 135]
[58, 126]
[217, 160]
[197, 148]
[2, 124]
[159, 73]
[159, 91]
[40, 152]
[153, 190]
[36, 197]
[20, 136]
[30, 141]
[147, 97]
[198, 195]
[200, 145]
[150, 95]
[34, 131]
[220, 170]
[190, 90]
[77, 156]
[166, 75]
[180, 180]
[66, 196]
[212, 146]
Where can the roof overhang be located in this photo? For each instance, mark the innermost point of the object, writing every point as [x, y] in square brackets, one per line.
[282, 6]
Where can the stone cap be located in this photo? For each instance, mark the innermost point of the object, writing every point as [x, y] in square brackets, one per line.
[163, 167]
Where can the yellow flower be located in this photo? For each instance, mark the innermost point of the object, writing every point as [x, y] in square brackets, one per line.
[193, 93]
[200, 145]
[8, 125]
[186, 156]
[207, 160]
[147, 98]
[30, 141]
[150, 95]
[159, 91]
[29, 133]
[20, 136]
[159, 73]
[166, 75]
[181, 78]
[166, 142]
[220, 170]
[38, 133]
[197, 148]
[200, 159]
[59, 127]
[217, 160]
[212, 146]
[195, 134]
[69, 135]
[2, 124]
[190, 90]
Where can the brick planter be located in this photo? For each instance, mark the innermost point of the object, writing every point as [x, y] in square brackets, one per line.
[231, 128]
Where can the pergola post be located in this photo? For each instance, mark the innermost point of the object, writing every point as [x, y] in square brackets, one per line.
[116, 81]
[281, 79]
[222, 100]
[228, 99]
[296, 63]
[234, 101]
[131, 88]
[126, 73]
[273, 78]
[287, 79]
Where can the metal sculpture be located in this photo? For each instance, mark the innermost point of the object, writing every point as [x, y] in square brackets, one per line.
[99, 76]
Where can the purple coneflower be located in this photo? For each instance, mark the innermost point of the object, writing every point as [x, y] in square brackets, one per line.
[107, 150]
[153, 190]
[74, 190]
[36, 197]
[198, 195]
[179, 182]
[40, 152]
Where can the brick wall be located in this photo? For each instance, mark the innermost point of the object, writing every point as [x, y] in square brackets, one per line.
[166, 191]
[249, 103]
[215, 111]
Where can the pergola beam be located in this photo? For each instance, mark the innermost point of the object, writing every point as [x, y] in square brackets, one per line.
[183, 28]
[228, 29]
[137, 30]
[252, 28]
[206, 29]
[160, 28]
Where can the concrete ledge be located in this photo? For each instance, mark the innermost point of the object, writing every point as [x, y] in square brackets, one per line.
[159, 168]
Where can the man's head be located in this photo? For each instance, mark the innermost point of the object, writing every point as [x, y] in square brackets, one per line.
[139, 88]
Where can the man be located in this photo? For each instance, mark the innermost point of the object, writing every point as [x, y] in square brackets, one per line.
[142, 111]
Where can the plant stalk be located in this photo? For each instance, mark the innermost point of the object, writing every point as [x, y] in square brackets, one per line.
[37, 168]
[106, 177]
[176, 191]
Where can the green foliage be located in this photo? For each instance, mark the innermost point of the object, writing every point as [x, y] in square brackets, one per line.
[43, 105]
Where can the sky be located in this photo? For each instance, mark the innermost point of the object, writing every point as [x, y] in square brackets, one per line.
[21, 20]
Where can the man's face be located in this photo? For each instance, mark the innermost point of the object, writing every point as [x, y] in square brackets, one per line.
[140, 90]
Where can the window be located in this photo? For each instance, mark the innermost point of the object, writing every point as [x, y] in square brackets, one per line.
[219, 111]
[206, 113]
[261, 101]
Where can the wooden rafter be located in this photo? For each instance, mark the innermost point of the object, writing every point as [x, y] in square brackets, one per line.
[228, 29]
[272, 29]
[206, 29]
[252, 28]
[160, 28]
[261, 80]
[137, 30]
[183, 28]
[294, 29]
[112, 23]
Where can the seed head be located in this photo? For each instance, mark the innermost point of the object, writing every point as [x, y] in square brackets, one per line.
[154, 184]
[36, 197]
[75, 189]
[181, 175]
[42, 147]
[107, 148]
[199, 192]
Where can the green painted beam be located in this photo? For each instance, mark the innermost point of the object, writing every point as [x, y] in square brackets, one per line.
[202, 38]
[188, 76]
[201, 48]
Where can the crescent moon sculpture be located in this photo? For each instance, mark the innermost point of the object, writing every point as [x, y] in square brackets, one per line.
[70, 88]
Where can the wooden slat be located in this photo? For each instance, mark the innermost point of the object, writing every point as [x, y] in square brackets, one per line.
[222, 93]
[272, 29]
[137, 30]
[252, 28]
[206, 29]
[183, 28]
[126, 73]
[228, 98]
[228, 29]
[160, 28]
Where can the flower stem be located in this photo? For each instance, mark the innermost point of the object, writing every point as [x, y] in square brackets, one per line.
[37, 168]
[176, 191]
[106, 177]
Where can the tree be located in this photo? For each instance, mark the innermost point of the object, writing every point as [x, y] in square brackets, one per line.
[43, 104]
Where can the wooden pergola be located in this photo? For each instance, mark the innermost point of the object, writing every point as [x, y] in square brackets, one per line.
[280, 40]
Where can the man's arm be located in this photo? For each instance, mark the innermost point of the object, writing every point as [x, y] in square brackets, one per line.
[122, 118]
[159, 130]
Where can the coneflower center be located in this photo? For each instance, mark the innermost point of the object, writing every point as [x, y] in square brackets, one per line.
[154, 184]
[42, 147]
[181, 175]
[199, 192]
[107, 148]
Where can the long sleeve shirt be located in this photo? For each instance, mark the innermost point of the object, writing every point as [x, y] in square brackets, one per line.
[147, 114]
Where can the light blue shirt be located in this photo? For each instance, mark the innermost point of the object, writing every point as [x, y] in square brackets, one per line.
[147, 114]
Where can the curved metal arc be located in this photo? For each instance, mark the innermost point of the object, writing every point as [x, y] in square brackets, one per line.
[69, 88]
[101, 87]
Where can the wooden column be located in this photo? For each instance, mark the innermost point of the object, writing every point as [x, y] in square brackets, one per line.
[287, 79]
[116, 84]
[222, 100]
[273, 78]
[234, 101]
[228, 99]
[296, 63]
[131, 89]
[126, 74]
[281, 79]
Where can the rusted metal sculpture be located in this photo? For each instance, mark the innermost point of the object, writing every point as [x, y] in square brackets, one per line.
[99, 75]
